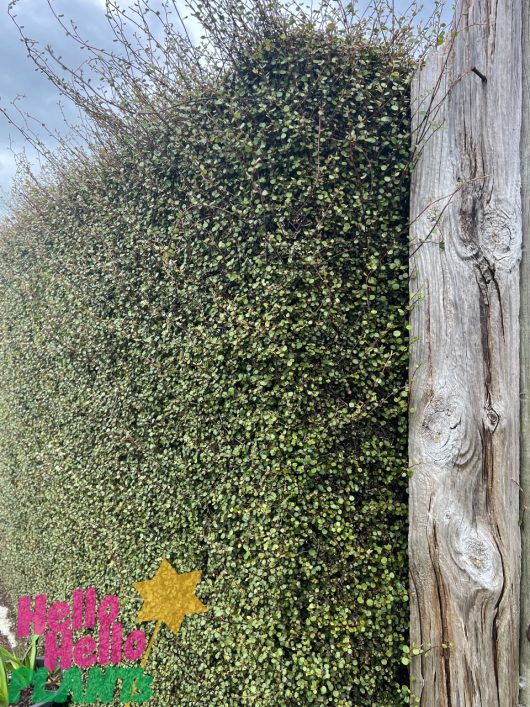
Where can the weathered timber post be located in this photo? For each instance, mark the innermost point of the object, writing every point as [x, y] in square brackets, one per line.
[464, 537]
[524, 652]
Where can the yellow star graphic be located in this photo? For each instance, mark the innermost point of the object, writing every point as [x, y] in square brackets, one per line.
[170, 596]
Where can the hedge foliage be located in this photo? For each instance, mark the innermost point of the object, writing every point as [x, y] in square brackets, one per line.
[203, 341]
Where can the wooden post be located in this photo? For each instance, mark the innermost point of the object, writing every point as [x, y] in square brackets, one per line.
[524, 652]
[464, 537]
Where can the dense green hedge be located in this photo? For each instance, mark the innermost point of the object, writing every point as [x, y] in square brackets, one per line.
[204, 357]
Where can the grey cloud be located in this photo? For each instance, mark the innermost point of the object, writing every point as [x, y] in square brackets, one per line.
[18, 76]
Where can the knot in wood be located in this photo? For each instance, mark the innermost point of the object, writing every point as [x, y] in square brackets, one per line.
[498, 237]
[491, 419]
[441, 428]
[488, 235]
[482, 564]
[475, 552]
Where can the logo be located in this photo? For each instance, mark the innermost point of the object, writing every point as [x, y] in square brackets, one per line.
[167, 599]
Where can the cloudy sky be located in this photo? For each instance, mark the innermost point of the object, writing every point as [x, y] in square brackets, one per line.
[30, 90]
[18, 78]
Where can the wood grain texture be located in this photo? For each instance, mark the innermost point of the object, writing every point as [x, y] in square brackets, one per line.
[464, 536]
[524, 653]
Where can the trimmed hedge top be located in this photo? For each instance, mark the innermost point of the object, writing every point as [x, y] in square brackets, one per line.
[203, 346]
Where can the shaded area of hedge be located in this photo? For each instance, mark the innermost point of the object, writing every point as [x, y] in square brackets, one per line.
[203, 357]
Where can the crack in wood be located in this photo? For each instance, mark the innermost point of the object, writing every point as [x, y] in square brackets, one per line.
[442, 603]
